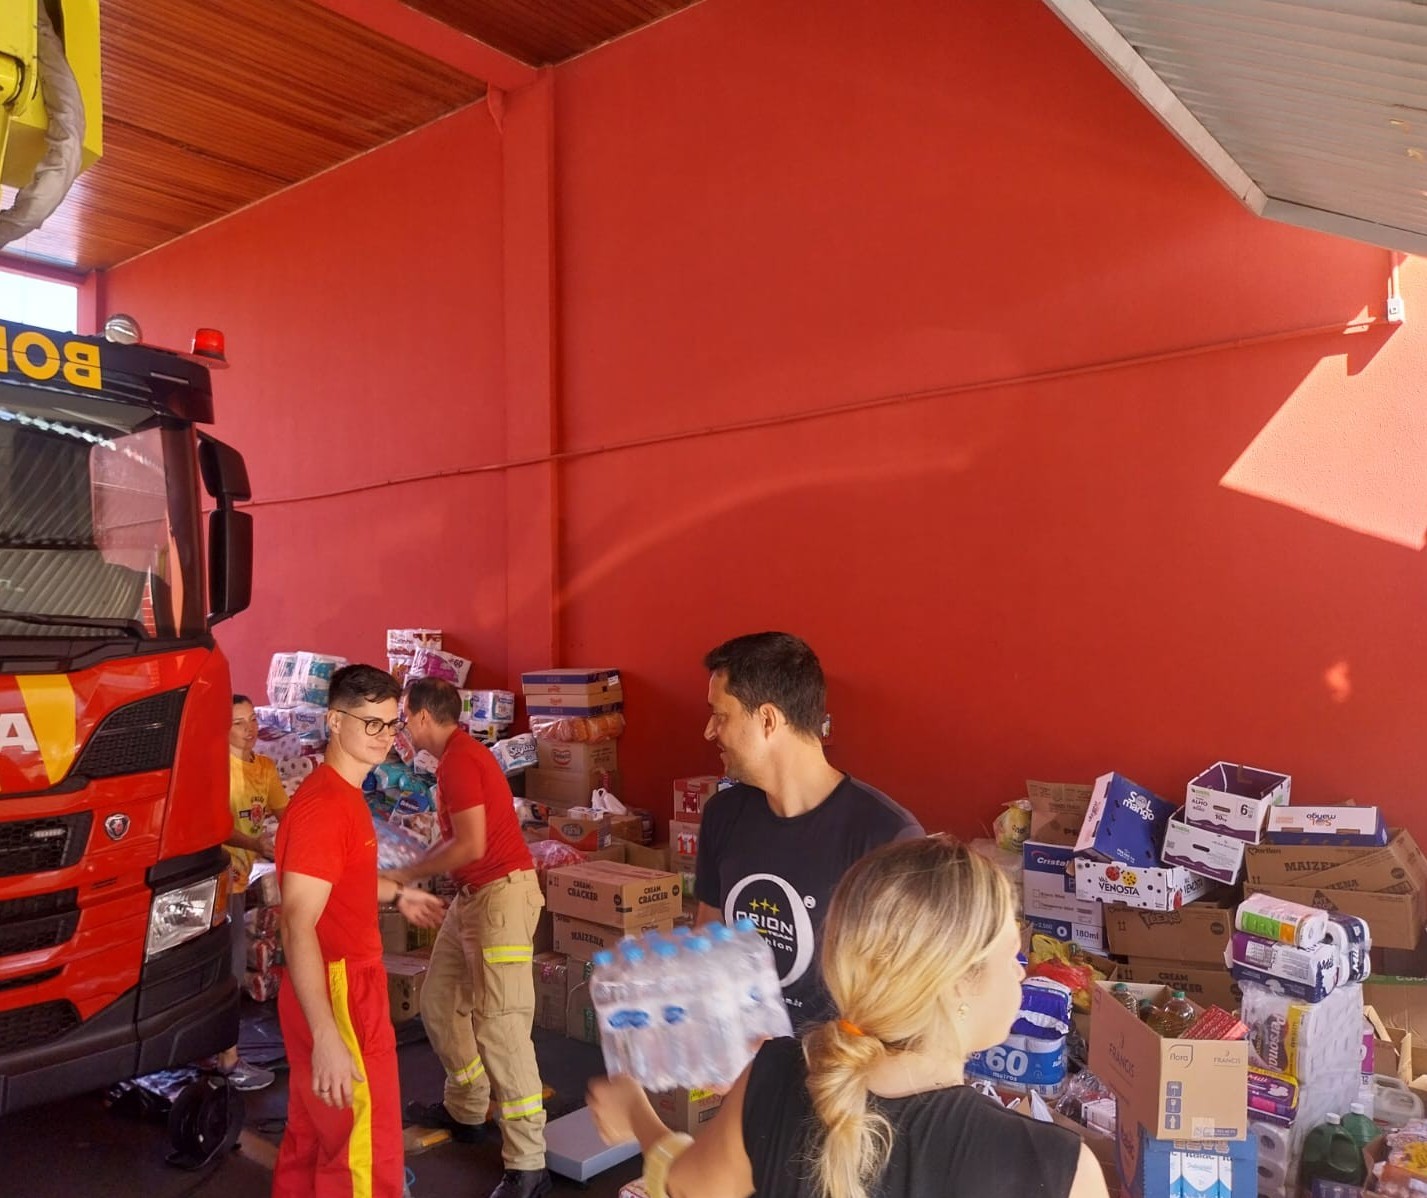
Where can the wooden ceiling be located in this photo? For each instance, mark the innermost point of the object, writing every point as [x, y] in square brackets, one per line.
[211, 105]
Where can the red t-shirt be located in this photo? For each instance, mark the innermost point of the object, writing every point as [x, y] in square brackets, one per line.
[328, 833]
[468, 776]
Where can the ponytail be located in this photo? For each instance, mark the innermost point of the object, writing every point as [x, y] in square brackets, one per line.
[854, 1141]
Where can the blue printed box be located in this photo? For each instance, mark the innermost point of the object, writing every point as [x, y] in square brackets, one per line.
[1195, 1168]
[1049, 901]
[1124, 822]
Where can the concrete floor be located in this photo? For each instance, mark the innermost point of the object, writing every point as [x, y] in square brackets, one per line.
[80, 1148]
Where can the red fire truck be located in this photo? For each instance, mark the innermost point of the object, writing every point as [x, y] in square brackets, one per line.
[114, 710]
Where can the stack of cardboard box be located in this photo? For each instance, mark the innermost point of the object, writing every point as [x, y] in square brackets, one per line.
[691, 796]
[568, 772]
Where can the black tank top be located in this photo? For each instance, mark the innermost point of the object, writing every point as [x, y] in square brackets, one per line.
[946, 1143]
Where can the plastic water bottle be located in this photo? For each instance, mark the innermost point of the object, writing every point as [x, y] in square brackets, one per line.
[1331, 1153]
[677, 1030]
[607, 997]
[762, 977]
[719, 1048]
[633, 1016]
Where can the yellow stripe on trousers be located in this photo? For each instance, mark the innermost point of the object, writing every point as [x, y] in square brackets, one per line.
[508, 954]
[359, 1144]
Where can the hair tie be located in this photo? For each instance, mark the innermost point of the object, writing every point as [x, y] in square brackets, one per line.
[850, 1028]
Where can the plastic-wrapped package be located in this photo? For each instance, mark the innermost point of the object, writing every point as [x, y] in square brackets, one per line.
[436, 663]
[583, 729]
[487, 707]
[516, 753]
[396, 848]
[261, 987]
[263, 954]
[262, 922]
[408, 640]
[552, 854]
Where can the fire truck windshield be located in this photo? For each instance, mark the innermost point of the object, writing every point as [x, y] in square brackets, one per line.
[99, 521]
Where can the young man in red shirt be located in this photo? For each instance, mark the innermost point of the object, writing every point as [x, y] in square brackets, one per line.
[343, 1136]
[478, 999]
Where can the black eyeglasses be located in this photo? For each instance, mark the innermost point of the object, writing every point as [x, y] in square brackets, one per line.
[374, 727]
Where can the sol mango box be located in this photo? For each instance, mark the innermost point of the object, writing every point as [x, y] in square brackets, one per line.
[613, 894]
[1124, 822]
[1179, 1089]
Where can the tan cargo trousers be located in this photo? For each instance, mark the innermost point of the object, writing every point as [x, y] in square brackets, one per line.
[478, 1003]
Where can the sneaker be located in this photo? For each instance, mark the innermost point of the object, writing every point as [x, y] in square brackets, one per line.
[523, 1183]
[435, 1114]
[246, 1076]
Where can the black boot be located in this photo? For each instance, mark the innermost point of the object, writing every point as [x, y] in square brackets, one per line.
[435, 1114]
[523, 1183]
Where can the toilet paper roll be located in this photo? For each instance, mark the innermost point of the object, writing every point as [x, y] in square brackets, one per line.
[1274, 1146]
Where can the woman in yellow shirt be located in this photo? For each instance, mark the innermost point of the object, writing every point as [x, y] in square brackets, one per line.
[254, 793]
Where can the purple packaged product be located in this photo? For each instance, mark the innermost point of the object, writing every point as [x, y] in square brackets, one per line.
[1369, 1056]
[1317, 967]
[1355, 942]
[1290, 989]
[1272, 1096]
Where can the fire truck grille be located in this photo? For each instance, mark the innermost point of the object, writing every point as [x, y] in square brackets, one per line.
[29, 1027]
[29, 846]
[29, 979]
[42, 921]
[134, 738]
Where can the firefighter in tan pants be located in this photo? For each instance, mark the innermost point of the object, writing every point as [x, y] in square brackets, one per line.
[478, 999]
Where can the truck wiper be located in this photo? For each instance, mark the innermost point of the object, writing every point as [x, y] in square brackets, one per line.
[132, 627]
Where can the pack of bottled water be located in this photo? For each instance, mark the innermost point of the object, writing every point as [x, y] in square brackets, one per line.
[688, 1009]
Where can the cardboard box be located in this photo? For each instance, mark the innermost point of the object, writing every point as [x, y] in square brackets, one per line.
[1235, 799]
[1396, 920]
[614, 851]
[569, 788]
[1057, 810]
[1124, 822]
[684, 840]
[648, 856]
[1153, 889]
[1396, 868]
[627, 827]
[559, 756]
[586, 832]
[579, 703]
[1048, 898]
[691, 795]
[1175, 1088]
[543, 941]
[572, 708]
[552, 990]
[1215, 855]
[393, 928]
[1363, 827]
[404, 976]
[1196, 933]
[617, 895]
[1202, 984]
[686, 1110]
[1222, 1168]
[580, 1021]
[570, 679]
[581, 940]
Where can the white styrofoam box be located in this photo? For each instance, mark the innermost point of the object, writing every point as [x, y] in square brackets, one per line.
[1235, 799]
[1202, 851]
[574, 1149]
[1151, 888]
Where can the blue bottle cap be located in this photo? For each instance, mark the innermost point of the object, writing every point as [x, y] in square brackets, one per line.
[604, 958]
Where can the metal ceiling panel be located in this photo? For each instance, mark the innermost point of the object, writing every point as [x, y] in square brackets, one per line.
[1311, 111]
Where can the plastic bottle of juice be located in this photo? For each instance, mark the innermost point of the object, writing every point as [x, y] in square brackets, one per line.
[1121, 994]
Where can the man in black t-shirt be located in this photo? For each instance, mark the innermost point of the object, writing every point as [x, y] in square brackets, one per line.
[774, 847]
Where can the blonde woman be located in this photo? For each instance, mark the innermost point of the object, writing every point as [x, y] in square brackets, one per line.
[919, 955]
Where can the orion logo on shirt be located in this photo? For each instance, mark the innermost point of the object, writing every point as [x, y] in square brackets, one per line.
[780, 914]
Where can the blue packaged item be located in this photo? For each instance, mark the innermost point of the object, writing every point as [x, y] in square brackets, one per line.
[1125, 822]
[1199, 1168]
[1022, 1063]
[1284, 986]
[1045, 1008]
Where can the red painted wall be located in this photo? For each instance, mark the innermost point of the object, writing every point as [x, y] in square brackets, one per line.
[939, 350]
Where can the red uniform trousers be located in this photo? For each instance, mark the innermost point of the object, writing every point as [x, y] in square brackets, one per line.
[352, 1153]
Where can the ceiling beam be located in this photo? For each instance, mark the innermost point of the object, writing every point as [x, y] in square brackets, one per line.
[1355, 228]
[1093, 28]
[395, 20]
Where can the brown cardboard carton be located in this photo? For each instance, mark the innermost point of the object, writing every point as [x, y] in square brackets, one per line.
[1398, 867]
[543, 941]
[552, 990]
[568, 788]
[585, 832]
[561, 757]
[1396, 920]
[405, 973]
[691, 795]
[581, 940]
[686, 1110]
[617, 895]
[580, 1022]
[627, 827]
[393, 930]
[1198, 931]
[1057, 810]
[1202, 984]
[1179, 1089]
[683, 842]
[615, 850]
[650, 857]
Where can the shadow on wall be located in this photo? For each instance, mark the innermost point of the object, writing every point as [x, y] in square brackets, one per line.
[1045, 581]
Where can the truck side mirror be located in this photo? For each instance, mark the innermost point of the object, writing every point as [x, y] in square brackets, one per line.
[230, 532]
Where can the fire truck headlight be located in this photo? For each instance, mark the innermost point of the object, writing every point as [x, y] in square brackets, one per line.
[180, 914]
